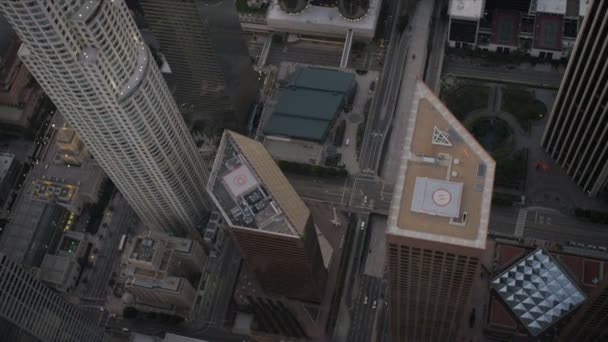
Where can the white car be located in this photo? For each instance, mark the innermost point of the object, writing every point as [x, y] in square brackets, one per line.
[362, 225]
[365, 300]
[374, 305]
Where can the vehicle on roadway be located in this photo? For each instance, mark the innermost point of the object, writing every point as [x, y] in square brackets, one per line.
[122, 242]
[365, 300]
[362, 225]
[374, 305]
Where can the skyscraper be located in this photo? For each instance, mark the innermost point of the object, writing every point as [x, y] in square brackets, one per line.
[30, 311]
[437, 224]
[211, 76]
[590, 322]
[270, 222]
[576, 133]
[90, 59]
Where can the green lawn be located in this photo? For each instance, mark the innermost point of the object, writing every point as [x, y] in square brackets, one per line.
[465, 99]
[511, 172]
[523, 105]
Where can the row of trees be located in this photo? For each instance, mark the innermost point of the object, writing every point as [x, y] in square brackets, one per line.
[312, 170]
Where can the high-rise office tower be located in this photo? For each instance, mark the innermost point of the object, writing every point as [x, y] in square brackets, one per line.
[30, 311]
[211, 76]
[437, 224]
[590, 322]
[576, 135]
[90, 59]
[270, 222]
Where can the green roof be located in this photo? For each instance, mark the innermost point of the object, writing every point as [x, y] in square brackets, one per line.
[307, 107]
[307, 103]
[324, 79]
[297, 127]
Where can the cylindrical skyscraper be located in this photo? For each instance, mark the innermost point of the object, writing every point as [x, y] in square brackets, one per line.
[91, 60]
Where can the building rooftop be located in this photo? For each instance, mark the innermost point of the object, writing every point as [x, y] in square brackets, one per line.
[144, 249]
[538, 291]
[444, 187]
[53, 192]
[309, 104]
[323, 79]
[324, 21]
[55, 269]
[65, 135]
[251, 191]
[551, 6]
[466, 9]
[169, 283]
[6, 161]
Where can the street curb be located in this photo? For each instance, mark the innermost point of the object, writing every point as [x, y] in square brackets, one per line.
[493, 80]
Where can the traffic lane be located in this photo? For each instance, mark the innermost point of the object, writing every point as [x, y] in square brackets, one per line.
[469, 70]
[383, 85]
[365, 310]
[122, 214]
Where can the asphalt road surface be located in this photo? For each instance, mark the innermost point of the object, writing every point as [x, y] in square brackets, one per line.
[503, 74]
[368, 302]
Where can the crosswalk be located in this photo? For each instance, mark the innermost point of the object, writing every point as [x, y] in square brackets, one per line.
[522, 216]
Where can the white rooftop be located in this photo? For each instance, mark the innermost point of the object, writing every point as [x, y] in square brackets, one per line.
[466, 9]
[538, 291]
[240, 181]
[323, 21]
[551, 6]
[437, 197]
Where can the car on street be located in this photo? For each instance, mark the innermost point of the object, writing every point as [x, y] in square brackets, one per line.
[362, 225]
[374, 305]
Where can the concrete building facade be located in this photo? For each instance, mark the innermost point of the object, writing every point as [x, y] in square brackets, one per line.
[211, 74]
[158, 271]
[437, 223]
[590, 322]
[8, 166]
[576, 134]
[545, 29]
[270, 222]
[93, 64]
[30, 311]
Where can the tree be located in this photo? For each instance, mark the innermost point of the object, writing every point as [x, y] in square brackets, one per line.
[130, 312]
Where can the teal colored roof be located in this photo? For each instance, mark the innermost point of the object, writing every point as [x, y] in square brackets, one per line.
[307, 108]
[308, 103]
[324, 79]
[297, 127]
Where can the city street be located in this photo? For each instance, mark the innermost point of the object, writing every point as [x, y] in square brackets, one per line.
[106, 262]
[528, 76]
[368, 303]
[415, 61]
[437, 45]
[383, 105]
[362, 193]
[221, 273]
[541, 223]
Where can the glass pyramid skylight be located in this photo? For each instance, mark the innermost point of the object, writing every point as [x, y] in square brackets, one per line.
[538, 291]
